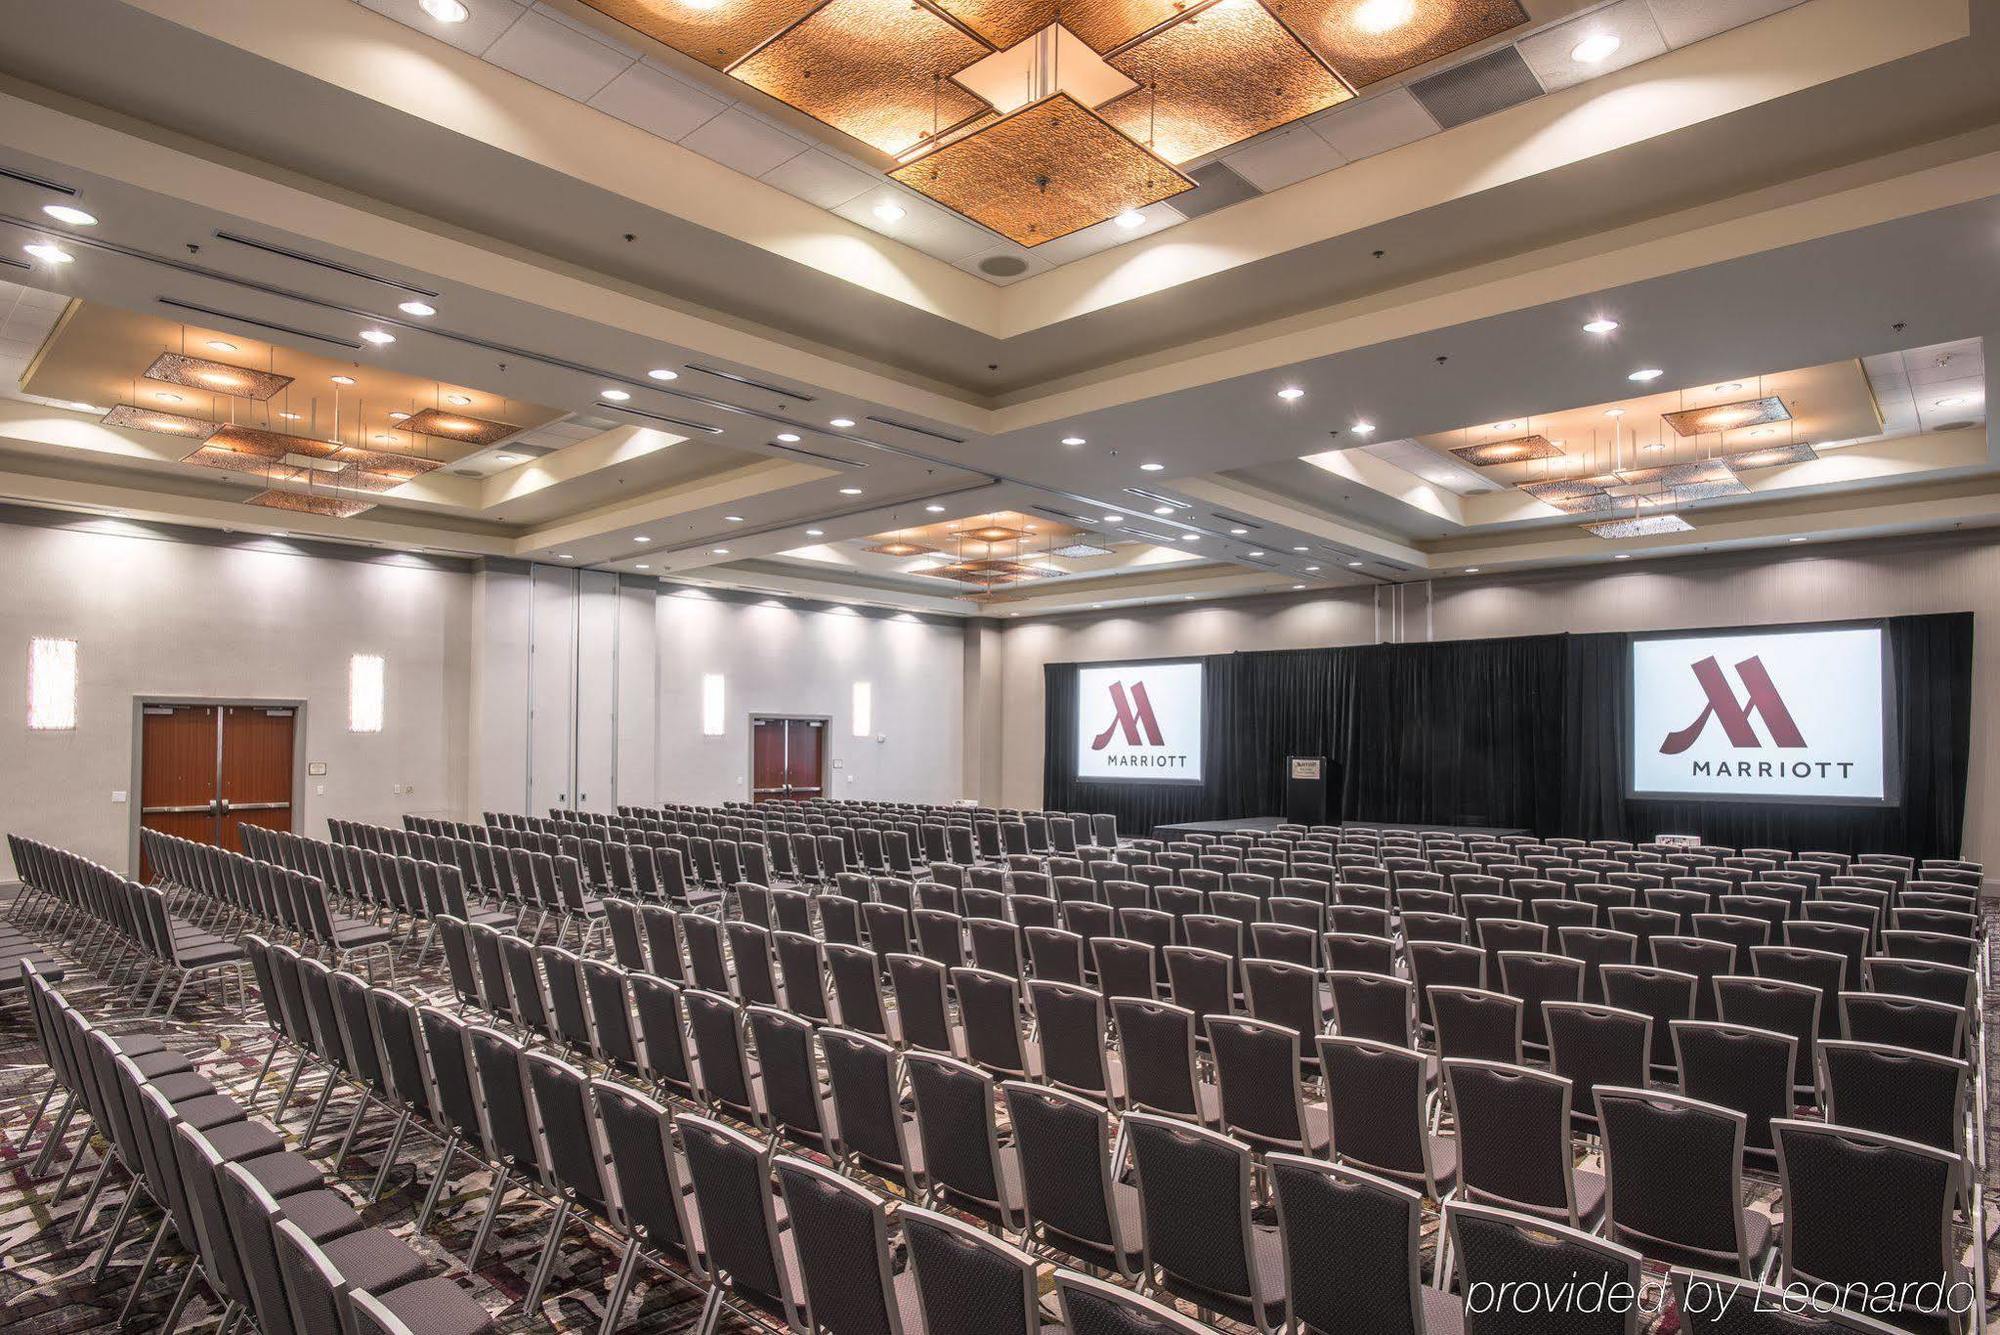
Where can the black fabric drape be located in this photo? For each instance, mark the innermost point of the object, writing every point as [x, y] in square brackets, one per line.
[1525, 732]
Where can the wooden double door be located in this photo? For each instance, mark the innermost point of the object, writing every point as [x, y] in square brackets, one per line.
[207, 770]
[787, 759]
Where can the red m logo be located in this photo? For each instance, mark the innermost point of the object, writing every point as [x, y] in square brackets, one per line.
[1131, 717]
[1764, 699]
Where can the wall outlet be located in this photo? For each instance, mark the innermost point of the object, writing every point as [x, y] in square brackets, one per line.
[840, 764]
[319, 790]
[118, 794]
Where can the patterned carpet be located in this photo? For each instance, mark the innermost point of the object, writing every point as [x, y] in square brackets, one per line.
[46, 1287]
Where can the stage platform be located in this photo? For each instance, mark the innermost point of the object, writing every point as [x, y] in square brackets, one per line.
[1259, 824]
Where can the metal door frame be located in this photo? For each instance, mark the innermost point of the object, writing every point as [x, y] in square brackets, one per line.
[135, 796]
[825, 722]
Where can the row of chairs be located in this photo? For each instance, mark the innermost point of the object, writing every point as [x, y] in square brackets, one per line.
[258, 1223]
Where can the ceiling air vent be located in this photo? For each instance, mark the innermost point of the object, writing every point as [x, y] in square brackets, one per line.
[1494, 82]
[1216, 186]
[1003, 266]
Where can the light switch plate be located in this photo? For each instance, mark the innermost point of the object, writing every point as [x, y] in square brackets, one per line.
[118, 794]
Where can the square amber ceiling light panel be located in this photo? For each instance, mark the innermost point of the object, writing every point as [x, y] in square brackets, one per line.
[1043, 172]
[167, 424]
[1727, 416]
[718, 33]
[327, 503]
[1103, 24]
[1216, 77]
[879, 70]
[239, 382]
[899, 547]
[461, 427]
[1640, 526]
[1371, 40]
[1518, 450]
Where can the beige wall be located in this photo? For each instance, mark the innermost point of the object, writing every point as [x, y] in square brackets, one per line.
[159, 618]
[1885, 578]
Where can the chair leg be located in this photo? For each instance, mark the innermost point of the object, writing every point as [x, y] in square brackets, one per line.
[145, 1270]
[347, 1141]
[90, 1198]
[533, 1302]
[437, 1183]
[117, 1231]
[319, 1110]
[285, 1099]
[181, 1298]
[40, 1166]
[486, 1222]
[389, 1157]
[179, 988]
[614, 1302]
[21, 1145]
[270, 1055]
[711, 1313]
[69, 1169]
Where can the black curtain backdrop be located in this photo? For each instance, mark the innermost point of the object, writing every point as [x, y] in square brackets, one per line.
[1525, 732]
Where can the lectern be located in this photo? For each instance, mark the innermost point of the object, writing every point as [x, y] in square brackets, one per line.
[1305, 789]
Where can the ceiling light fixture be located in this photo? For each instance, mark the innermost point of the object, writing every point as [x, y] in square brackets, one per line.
[508, 459]
[841, 423]
[1646, 374]
[719, 551]
[165, 397]
[615, 395]
[417, 308]
[662, 373]
[564, 556]
[217, 345]
[1621, 556]
[379, 337]
[1151, 468]
[1072, 440]
[459, 400]
[1114, 519]
[1472, 570]
[1301, 549]
[1312, 570]
[293, 417]
[641, 565]
[1256, 553]
[888, 211]
[850, 491]
[789, 437]
[934, 509]
[75, 217]
[1953, 401]
[734, 519]
[1595, 49]
[1363, 428]
[1795, 540]
[1354, 565]
[1599, 326]
[1297, 587]
[642, 538]
[342, 379]
[1163, 509]
[1614, 412]
[1290, 393]
[446, 11]
[815, 533]
[48, 253]
[1238, 532]
[1381, 16]
[394, 417]
[1130, 219]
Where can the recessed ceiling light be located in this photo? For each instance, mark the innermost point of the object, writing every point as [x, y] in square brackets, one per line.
[1380, 16]
[1312, 570]
[378, 337]
[290, 417]
[459, 399]
[789, 437]
[1765, 431]
[1621, 556]
[734, 519]
[446, 11]
[1238, 532]
[385, 437]
[1297, 587]
[1114, 519]
[850, 491]
[42, 250]
[63, 213]
[841, 423]
[1151, 468]
[1163, 509]
[642, 538]
[1363, 428]
[1729, 388]
[1614, 412]
[417, 308]
[1353, 565]
[1655, 445]
[1472, 570]
[662, 373]
[1953, 401]
[564, 556]
[1299, 549]
[615, 395]
[1647, 373]
[82, 407]
[1190, 537]
[888, 211]
[1795, 540]
[719, 551]
[1600, 326]
[218, 345]
[164, 397]
[343, 380]
[641, 565]
[934, 509]
[1130, 219]
[815, 533]
[1256, 553]
[1072, 440]
[1595, 49]
[394, 417]
[508, 459]
[1291, 392]
[1505, 426]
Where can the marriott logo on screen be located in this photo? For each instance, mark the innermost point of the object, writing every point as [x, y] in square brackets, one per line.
[1764, 700]
[1132, 716]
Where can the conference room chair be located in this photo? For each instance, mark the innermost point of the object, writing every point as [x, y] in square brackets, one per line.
[1033, 911]
[662, 931]
[802, 967]
[1125, 968]
[1075, 1206]
[1373, 1005]
[889, 930]
[1593, 1045]
[1090, 1304]
[1705, 960]
[1476, 1024]
[1559, 914]
[1737, 1067]
[1352, 1258]
[871, 1134]
[978, 903]
[1071, 1022]
[1848, 940]
[1514, 1145]
[1055, 954]
[1434, 963]
[1378, 1097]
[857, 989]
[1873, 1210]
[1782, 1008]
[1201, 1243]
[746, 1259]
[1921, 978]
[940, 935]
[966, 1166]
[1156, 1048]
[1537, 977]
[1495, 1246]
[1674, 1181]
[920, 988]
[1911, 1095]
[840, 919]
[966, 1280]
[1495, 935]
[1257, 1079]
[663, 1055]
[1202, 981]
[787, 1076]
[649, 1204]
[990, 1011]
[1903, 1022]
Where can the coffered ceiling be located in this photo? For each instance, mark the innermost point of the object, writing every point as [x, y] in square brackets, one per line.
[735, 335]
